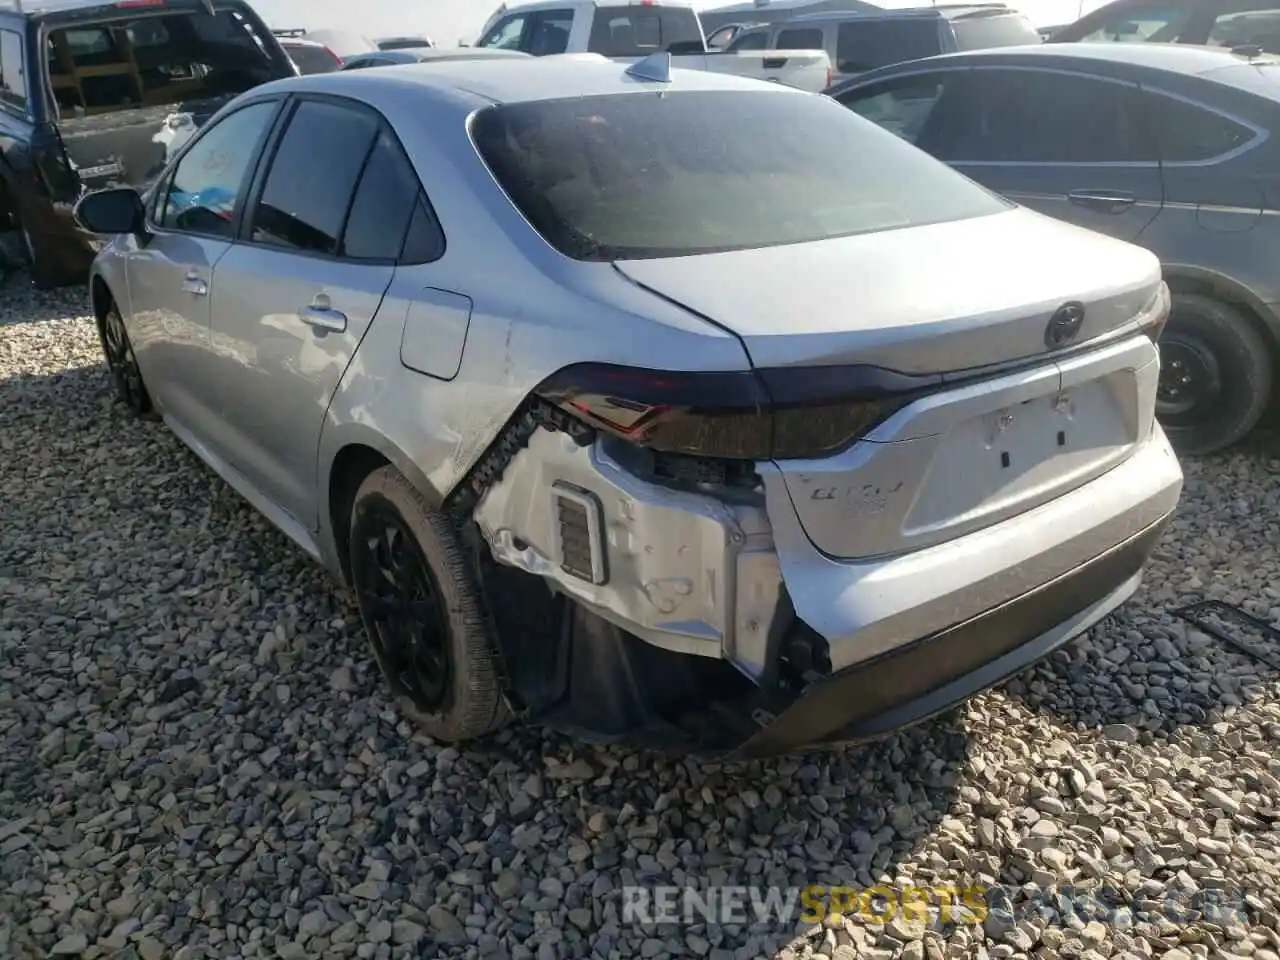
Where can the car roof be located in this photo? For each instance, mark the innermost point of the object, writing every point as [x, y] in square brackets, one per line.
[976, 11]
[1182, 58]
[1259, 76]
[514, 80]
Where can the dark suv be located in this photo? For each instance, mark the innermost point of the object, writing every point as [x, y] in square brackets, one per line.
[100, 94]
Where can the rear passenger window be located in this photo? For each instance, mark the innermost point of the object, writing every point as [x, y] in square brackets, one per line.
[383, 204]
[878, 43]
[1188, 132]
[810, 39]
[309, 187]
[1033, 116]
[13, 78]
[757, 40]
[424, 242]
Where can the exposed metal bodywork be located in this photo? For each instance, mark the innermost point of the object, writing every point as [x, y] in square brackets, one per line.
[435, 367]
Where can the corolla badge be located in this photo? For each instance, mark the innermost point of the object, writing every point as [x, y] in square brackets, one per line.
[1064, 325]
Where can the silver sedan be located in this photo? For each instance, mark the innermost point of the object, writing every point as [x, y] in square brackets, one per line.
[651, 405]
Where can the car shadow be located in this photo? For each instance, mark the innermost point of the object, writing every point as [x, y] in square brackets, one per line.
[273, 651]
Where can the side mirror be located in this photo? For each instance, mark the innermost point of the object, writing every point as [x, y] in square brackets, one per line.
[118, 210]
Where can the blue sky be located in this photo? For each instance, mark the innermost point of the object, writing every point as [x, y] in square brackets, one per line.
[448, 21]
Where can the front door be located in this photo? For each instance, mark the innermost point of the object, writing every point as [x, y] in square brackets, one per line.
[294, 298]
[193, 221]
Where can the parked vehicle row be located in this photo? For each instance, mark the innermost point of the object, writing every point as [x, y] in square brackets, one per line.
[749, 450]
[628, 32]
[1165, 145]
[860, 41]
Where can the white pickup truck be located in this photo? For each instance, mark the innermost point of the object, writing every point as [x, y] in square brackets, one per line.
[629, 31]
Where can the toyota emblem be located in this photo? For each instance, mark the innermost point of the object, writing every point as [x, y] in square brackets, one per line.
[1064, 325]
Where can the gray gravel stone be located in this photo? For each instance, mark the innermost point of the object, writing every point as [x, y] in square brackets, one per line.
[197, 759]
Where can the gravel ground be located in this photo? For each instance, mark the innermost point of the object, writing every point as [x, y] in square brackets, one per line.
[196, 758]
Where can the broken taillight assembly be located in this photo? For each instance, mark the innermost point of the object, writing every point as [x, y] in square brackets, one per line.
[780, 414]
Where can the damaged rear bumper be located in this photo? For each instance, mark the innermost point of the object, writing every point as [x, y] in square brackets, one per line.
[918, 681]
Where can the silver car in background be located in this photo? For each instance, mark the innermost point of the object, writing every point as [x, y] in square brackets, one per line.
[617, 417]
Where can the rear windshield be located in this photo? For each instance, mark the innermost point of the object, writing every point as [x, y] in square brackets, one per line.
[311, 59]
[978, 33]
[863, 45]
[628, 177]
[158, 59]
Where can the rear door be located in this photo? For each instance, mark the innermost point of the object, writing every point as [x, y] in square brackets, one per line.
[294, 297]
[1069, 145]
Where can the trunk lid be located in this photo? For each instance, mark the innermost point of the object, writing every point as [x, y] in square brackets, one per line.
[937, 300]
[131, 147]
[921, 300]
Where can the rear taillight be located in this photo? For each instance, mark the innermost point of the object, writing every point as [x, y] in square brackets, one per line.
[1155, 314]
[760, 415]
[831, 76]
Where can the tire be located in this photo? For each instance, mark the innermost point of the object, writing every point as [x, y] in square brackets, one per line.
[429, 631]
[43, 274]
[122, 362]
[1215, 376]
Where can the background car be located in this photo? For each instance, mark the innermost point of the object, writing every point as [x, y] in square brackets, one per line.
[1219, 23]
[309, 56]
[1170, 146]
[749, 449]
[100, 93]
[858, 42]
[403, 43]
[389, 58]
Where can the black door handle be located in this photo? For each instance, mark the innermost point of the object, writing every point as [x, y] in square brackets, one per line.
[1104, 201]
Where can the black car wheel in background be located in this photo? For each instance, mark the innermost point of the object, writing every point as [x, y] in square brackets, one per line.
[1168, 146]
[1215, 377]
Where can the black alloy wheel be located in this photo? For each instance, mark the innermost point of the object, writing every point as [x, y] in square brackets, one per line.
[123, 363]
[398, 591]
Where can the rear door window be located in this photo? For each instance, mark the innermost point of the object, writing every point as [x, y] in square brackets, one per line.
[981, 33]
[794, 39]
[13, 74]
[1190, 133]
[1037, 116]
[307, 192]
[158, 60]
[383, 204]
[752, 40]
[865, 45]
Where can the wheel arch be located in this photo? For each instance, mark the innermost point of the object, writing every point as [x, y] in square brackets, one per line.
[1184, 278]
[356, 452]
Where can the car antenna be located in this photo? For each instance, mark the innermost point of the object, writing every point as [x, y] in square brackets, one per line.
[655, 67]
